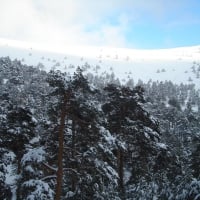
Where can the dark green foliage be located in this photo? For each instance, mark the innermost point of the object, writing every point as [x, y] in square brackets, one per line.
[195, 161]
[174, 103]
[5, 189]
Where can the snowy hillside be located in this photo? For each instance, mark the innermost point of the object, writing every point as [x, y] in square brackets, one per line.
[180, 65]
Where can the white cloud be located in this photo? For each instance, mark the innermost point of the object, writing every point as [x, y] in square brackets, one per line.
[64, 21]
[88, 22]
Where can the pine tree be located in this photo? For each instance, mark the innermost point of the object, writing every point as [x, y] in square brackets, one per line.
[83, 164]
[136, 128]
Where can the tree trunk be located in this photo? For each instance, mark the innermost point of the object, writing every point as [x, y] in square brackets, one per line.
[60, 151]
[73, 156]
[121, 172]
[18, 188]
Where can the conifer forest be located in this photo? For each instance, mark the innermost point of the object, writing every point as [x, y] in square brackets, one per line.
[81, 136]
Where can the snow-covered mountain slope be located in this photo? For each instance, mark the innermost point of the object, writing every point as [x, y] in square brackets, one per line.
[180, 65]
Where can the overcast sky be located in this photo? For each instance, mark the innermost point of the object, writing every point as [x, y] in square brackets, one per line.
[119, 23]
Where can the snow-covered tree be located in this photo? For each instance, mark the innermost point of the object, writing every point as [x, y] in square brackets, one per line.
[127, 119]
